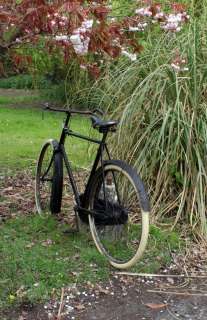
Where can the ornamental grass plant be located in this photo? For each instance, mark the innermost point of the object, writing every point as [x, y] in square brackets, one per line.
[161, 103]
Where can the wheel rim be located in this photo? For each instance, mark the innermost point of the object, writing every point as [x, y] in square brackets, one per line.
[123, 242]
[44, 176]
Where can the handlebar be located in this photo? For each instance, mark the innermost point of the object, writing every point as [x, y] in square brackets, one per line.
[73, 111]
[102, 125]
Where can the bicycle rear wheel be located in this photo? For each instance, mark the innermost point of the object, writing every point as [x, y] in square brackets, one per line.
[120, 220]
[49, 179]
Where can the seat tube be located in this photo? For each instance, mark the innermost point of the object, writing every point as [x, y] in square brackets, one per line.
[97, 159]
[100, 151]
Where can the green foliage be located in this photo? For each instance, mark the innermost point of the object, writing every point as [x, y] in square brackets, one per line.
[123, 8]
[25, 81]
[17, 82]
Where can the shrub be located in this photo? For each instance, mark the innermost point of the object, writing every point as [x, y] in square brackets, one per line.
[161, 103]
[24, 81]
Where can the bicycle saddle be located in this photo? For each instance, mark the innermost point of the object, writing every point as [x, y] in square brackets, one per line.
[102, 125]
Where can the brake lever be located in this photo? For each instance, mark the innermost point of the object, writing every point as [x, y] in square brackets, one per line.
[46, 106]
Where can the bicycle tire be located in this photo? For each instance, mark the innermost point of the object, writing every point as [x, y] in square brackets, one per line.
[49, 179]
[135, 188]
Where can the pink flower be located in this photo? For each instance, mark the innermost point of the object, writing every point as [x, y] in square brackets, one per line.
[53, 22]
[178, 63]
[131, 56]
[144, 12]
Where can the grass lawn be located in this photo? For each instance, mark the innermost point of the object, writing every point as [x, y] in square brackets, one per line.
[23, 131]
[36, 256]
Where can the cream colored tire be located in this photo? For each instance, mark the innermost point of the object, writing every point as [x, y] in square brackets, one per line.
[135, 183]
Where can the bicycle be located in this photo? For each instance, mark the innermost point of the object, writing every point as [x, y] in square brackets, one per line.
[114, 203]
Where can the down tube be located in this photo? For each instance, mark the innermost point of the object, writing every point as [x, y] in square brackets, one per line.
[70, 174]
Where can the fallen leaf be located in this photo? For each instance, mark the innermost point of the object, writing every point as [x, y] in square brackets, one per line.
[21, 292]
[156, 305]
[76, 274]
[170, 280]
[76, 256]
[30, 245]
[126, 280]
[80, 307]
[47, 242]
[8, 189]
[36, 284]
[17, 197]
[90, 285]
[102, 290]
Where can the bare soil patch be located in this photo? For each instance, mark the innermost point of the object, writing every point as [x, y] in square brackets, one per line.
[123, 298]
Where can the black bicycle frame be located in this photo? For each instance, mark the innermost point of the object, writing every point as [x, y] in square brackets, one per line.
[99, 156]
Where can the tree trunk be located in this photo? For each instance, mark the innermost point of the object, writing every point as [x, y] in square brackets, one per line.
[3, 53]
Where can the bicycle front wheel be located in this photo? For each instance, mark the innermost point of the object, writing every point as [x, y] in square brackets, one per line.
[49, 179]
[120, 220]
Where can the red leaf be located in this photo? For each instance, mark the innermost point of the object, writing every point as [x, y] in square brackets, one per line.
[113, 52]
[178, 7]
[155, 8]
[114, 29]
[4, 17]
[101, 12]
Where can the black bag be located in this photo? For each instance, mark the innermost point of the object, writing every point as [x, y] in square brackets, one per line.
[105, 214]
